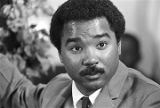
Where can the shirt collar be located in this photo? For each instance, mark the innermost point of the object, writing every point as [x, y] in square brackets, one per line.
[77, 95]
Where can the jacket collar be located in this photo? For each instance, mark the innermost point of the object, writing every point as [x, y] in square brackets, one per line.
[109, 96]
[117, 81]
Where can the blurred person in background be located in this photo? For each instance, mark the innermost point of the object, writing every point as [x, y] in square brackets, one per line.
[87, 35]
[130, 50]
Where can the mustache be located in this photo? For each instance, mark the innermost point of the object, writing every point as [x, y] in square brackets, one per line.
[91, 71]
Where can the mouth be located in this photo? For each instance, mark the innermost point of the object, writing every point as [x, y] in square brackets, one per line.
[92, 72]
[93, 77]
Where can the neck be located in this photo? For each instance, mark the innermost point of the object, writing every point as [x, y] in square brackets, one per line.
[85, 91]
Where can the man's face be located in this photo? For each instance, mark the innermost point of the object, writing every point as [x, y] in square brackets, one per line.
[90, 52]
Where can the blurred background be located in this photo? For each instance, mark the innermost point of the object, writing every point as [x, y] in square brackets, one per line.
[143, 21]
[24, 36]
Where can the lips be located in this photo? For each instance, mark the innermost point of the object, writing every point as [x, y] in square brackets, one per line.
[92, 71]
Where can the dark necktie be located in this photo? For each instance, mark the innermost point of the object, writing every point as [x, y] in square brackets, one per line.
[86, 102]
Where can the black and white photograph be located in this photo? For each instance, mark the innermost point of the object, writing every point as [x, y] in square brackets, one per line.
[80, 54]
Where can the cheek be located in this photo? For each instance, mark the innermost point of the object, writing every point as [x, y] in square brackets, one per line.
[72, 67]
[110, 55]
[110, 60]
[71, 62]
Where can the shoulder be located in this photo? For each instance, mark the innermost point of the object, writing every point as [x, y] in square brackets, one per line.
[142, 85]
[57, 84]
[59, 81]
[141, 90]
[142, 80]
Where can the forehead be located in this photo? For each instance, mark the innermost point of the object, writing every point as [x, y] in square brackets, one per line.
[89, 28]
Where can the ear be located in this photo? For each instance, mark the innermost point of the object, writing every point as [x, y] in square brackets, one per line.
[119, 47]
[60, 57]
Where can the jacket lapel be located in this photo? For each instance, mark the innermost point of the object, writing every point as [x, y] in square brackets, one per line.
[103, 100]
[110, 95]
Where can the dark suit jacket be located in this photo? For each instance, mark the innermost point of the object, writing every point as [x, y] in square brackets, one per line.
[127, 89]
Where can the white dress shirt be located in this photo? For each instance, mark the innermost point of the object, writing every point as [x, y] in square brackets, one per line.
[77, 95]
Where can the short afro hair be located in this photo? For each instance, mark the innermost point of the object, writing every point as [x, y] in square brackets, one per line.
[78, 10]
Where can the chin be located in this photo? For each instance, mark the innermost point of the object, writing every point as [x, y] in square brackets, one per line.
[95, 85]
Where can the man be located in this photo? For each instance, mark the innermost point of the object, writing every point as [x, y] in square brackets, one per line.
[87, 35]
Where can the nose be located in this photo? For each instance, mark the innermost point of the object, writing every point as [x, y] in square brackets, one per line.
[90, 59]
[89, 62]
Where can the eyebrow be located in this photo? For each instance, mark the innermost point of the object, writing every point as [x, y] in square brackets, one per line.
[102, 35]
[78, 39]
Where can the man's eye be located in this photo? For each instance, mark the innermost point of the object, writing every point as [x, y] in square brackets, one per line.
[102, 45]
[76, 49]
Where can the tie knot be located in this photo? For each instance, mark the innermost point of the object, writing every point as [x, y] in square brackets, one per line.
[86, 102]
